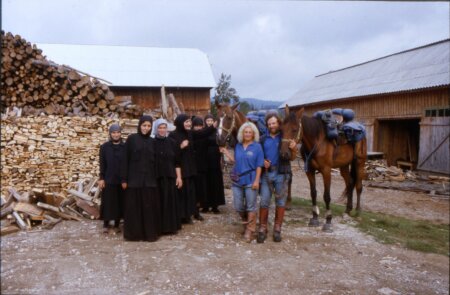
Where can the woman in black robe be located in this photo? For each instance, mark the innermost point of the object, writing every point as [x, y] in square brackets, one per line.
[111, 153]
[169, 177]
[184, 138]
[215, 189]
[142, 221]
[201, 149]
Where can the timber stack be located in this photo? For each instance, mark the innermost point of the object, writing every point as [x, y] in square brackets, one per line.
[37, 85]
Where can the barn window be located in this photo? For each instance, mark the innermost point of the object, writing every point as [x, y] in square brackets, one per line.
[437, 112]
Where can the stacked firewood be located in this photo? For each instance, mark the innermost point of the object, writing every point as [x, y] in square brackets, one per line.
[38, 85]
[51, 152]
[23, 211]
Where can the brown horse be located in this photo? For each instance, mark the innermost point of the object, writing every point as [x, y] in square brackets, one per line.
[230, 122]
[321, 154]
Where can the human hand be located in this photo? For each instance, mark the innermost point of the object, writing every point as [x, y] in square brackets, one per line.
[255, 185]
[292, 144]
[184, 144]
[101, 184]
[178, 182]
[124, 185]
[266, 164]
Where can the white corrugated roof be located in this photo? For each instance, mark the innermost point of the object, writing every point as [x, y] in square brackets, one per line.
[421, 67]
[136, 66]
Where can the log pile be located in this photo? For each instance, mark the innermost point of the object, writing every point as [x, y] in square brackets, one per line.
[37, 208]
[53, 153]
[32, 82]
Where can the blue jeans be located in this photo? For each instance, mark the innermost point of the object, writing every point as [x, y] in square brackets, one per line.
[276, 183]
[244, 198]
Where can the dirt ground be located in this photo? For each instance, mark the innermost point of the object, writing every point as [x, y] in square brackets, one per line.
[209, 257]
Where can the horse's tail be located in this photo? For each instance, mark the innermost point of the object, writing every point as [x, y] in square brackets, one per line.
[357, 154]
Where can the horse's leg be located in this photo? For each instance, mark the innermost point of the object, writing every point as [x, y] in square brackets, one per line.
[359, 186]
[326, 173]
[289, 196]
[345, 173]
[314, 221]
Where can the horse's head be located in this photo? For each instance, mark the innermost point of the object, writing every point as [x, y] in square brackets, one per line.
[291, 129]
[228, 125]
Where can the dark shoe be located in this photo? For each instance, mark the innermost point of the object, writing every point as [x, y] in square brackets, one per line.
[215, 210]
[205, 210]
[261, 237]
[116, 230]
[198, 217]
[186, 220]
[105, 230]
[279, 216]
[277, 236]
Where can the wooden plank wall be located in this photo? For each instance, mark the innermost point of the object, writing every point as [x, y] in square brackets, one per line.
[401, 105]
[196, 101]
[434, 154]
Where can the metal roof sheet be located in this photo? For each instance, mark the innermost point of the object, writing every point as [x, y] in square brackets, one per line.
[136, 66]
[417, 68]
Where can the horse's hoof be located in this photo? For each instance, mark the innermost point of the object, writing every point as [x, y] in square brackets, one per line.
[314, 222]
[327, 228]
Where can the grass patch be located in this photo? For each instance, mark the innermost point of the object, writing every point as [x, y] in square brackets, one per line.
[388, 229]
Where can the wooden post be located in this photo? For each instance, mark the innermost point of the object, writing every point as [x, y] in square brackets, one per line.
[163, 102]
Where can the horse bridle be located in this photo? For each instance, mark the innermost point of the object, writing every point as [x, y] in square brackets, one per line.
[229, 130]
[298, 137]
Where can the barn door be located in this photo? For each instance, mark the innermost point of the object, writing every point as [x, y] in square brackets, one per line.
[434, 147]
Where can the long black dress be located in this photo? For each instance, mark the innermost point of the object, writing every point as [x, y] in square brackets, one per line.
[142, 220]
[187, 195]
[215, 188]
[201, 149]
[111, 207]
[167, 159]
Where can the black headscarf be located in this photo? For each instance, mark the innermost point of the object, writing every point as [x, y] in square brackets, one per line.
[179, 122]
[145, 118]
[209, 116]
[197, 121]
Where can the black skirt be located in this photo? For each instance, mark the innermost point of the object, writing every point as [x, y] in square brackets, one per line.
[186, 198]
[170, 220]
[142, 218]
[111, 207]
[215, 188]
[201, 190]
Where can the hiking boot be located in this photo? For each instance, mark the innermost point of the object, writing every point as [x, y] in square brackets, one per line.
[263, 217]
[279, 215]
[250, 228]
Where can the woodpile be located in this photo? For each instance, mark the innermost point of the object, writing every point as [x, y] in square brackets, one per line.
[53, 153]
[37, 85]
[26, 210]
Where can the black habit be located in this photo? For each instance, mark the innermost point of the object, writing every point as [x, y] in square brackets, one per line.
[167, 159]
[111, 207]
[142, 220]
[215, 189]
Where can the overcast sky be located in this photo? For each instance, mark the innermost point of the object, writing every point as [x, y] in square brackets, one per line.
[271, 48]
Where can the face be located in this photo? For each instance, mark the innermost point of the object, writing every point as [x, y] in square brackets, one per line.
[115, 135]
[197, 127]
[162, 130]
[273, 125]
[146, 127]
[187, 124]
[209, 122]
[248, 134]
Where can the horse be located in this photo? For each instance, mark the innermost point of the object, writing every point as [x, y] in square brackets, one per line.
[230, 122]
[321, 154]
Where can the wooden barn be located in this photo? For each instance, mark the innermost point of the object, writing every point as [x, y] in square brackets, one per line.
[140, 72]
[402, 98]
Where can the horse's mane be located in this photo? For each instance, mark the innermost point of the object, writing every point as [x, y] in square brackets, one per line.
[312, 127]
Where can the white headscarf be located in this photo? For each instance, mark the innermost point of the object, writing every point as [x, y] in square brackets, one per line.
[156, 125]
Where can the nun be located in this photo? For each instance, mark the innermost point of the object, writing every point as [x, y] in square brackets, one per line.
[200, 149]
[168, 176]
[111, 152]
[142, 219]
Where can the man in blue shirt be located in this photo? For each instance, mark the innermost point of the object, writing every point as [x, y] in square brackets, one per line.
[275, 178]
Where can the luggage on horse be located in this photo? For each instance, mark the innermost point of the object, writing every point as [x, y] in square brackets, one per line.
[353, 131]
[257, 117]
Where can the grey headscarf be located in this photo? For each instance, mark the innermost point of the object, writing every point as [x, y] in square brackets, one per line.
[156, 125]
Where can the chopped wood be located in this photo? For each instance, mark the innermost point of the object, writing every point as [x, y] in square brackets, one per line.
[91, 210]
[48, 207]
[9, 230]
[20, 222]
[80, 195]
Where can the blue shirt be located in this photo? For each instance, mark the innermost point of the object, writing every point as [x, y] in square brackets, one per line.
[271, 149]
[248, 160]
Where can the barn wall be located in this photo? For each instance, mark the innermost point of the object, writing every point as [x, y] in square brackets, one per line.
[195, 100]
[434, 154]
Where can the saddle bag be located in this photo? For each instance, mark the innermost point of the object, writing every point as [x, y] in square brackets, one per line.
[354, 131]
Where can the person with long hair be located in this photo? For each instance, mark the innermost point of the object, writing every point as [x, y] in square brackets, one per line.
[246, 173]
[142, 221]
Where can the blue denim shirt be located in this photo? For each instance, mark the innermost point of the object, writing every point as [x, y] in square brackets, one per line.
[248, 160]
[271, 149]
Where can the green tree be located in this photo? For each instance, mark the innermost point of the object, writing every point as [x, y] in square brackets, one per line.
[224, 93]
